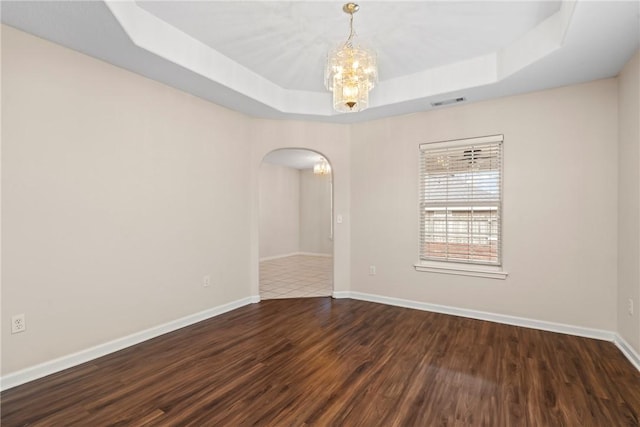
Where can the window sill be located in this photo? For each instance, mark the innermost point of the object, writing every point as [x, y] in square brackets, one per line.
[485, 271]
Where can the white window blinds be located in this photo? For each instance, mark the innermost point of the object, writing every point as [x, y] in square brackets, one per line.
[461, 200]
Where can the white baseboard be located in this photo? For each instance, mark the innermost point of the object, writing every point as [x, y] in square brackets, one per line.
[50, 367]
[269, 258]
[628, 351]
[316, 254]
[341, 294]
[254, 299]
[492, 317]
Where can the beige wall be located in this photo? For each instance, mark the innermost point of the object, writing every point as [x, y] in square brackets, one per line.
[279, 210]
[560, 196]
[295, 211]
[315, 213]
[629, 201]
[119, 194]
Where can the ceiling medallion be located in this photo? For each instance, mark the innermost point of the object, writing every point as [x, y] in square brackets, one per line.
[351, 71]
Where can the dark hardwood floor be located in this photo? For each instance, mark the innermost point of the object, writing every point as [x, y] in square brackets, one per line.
[327, 362]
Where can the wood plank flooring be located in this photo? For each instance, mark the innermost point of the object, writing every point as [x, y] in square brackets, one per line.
[325, 362]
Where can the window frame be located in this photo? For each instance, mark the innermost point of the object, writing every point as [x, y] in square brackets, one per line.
[462, 267]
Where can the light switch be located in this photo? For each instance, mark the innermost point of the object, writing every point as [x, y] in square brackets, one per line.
[339, 219]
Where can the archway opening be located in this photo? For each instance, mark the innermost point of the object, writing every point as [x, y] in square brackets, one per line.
[295, 225]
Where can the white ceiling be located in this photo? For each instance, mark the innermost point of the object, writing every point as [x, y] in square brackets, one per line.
[266, 58]
[287, 42]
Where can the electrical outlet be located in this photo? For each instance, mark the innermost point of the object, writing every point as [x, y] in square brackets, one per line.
[372, 270]
[206, 281]
[18, 324]
[630, 307]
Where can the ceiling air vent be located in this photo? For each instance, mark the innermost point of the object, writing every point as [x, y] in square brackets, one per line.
[448, 101]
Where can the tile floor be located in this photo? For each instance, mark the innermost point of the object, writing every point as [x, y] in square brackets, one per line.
[296, 276]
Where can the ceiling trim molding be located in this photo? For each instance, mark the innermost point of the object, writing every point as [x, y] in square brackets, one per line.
[154, 35]
[158, 37]
[541, 41]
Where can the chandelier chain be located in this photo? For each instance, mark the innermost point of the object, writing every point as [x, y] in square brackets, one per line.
[349, 42]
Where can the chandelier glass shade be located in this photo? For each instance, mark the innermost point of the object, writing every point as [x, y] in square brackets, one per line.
[351, 71]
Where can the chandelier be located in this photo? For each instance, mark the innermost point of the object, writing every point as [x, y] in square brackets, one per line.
[351, 71]
[322, 168]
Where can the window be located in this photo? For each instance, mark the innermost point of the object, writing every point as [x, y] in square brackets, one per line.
[461, 201]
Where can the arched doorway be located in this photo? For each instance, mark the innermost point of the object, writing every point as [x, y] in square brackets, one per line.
[295, 225]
